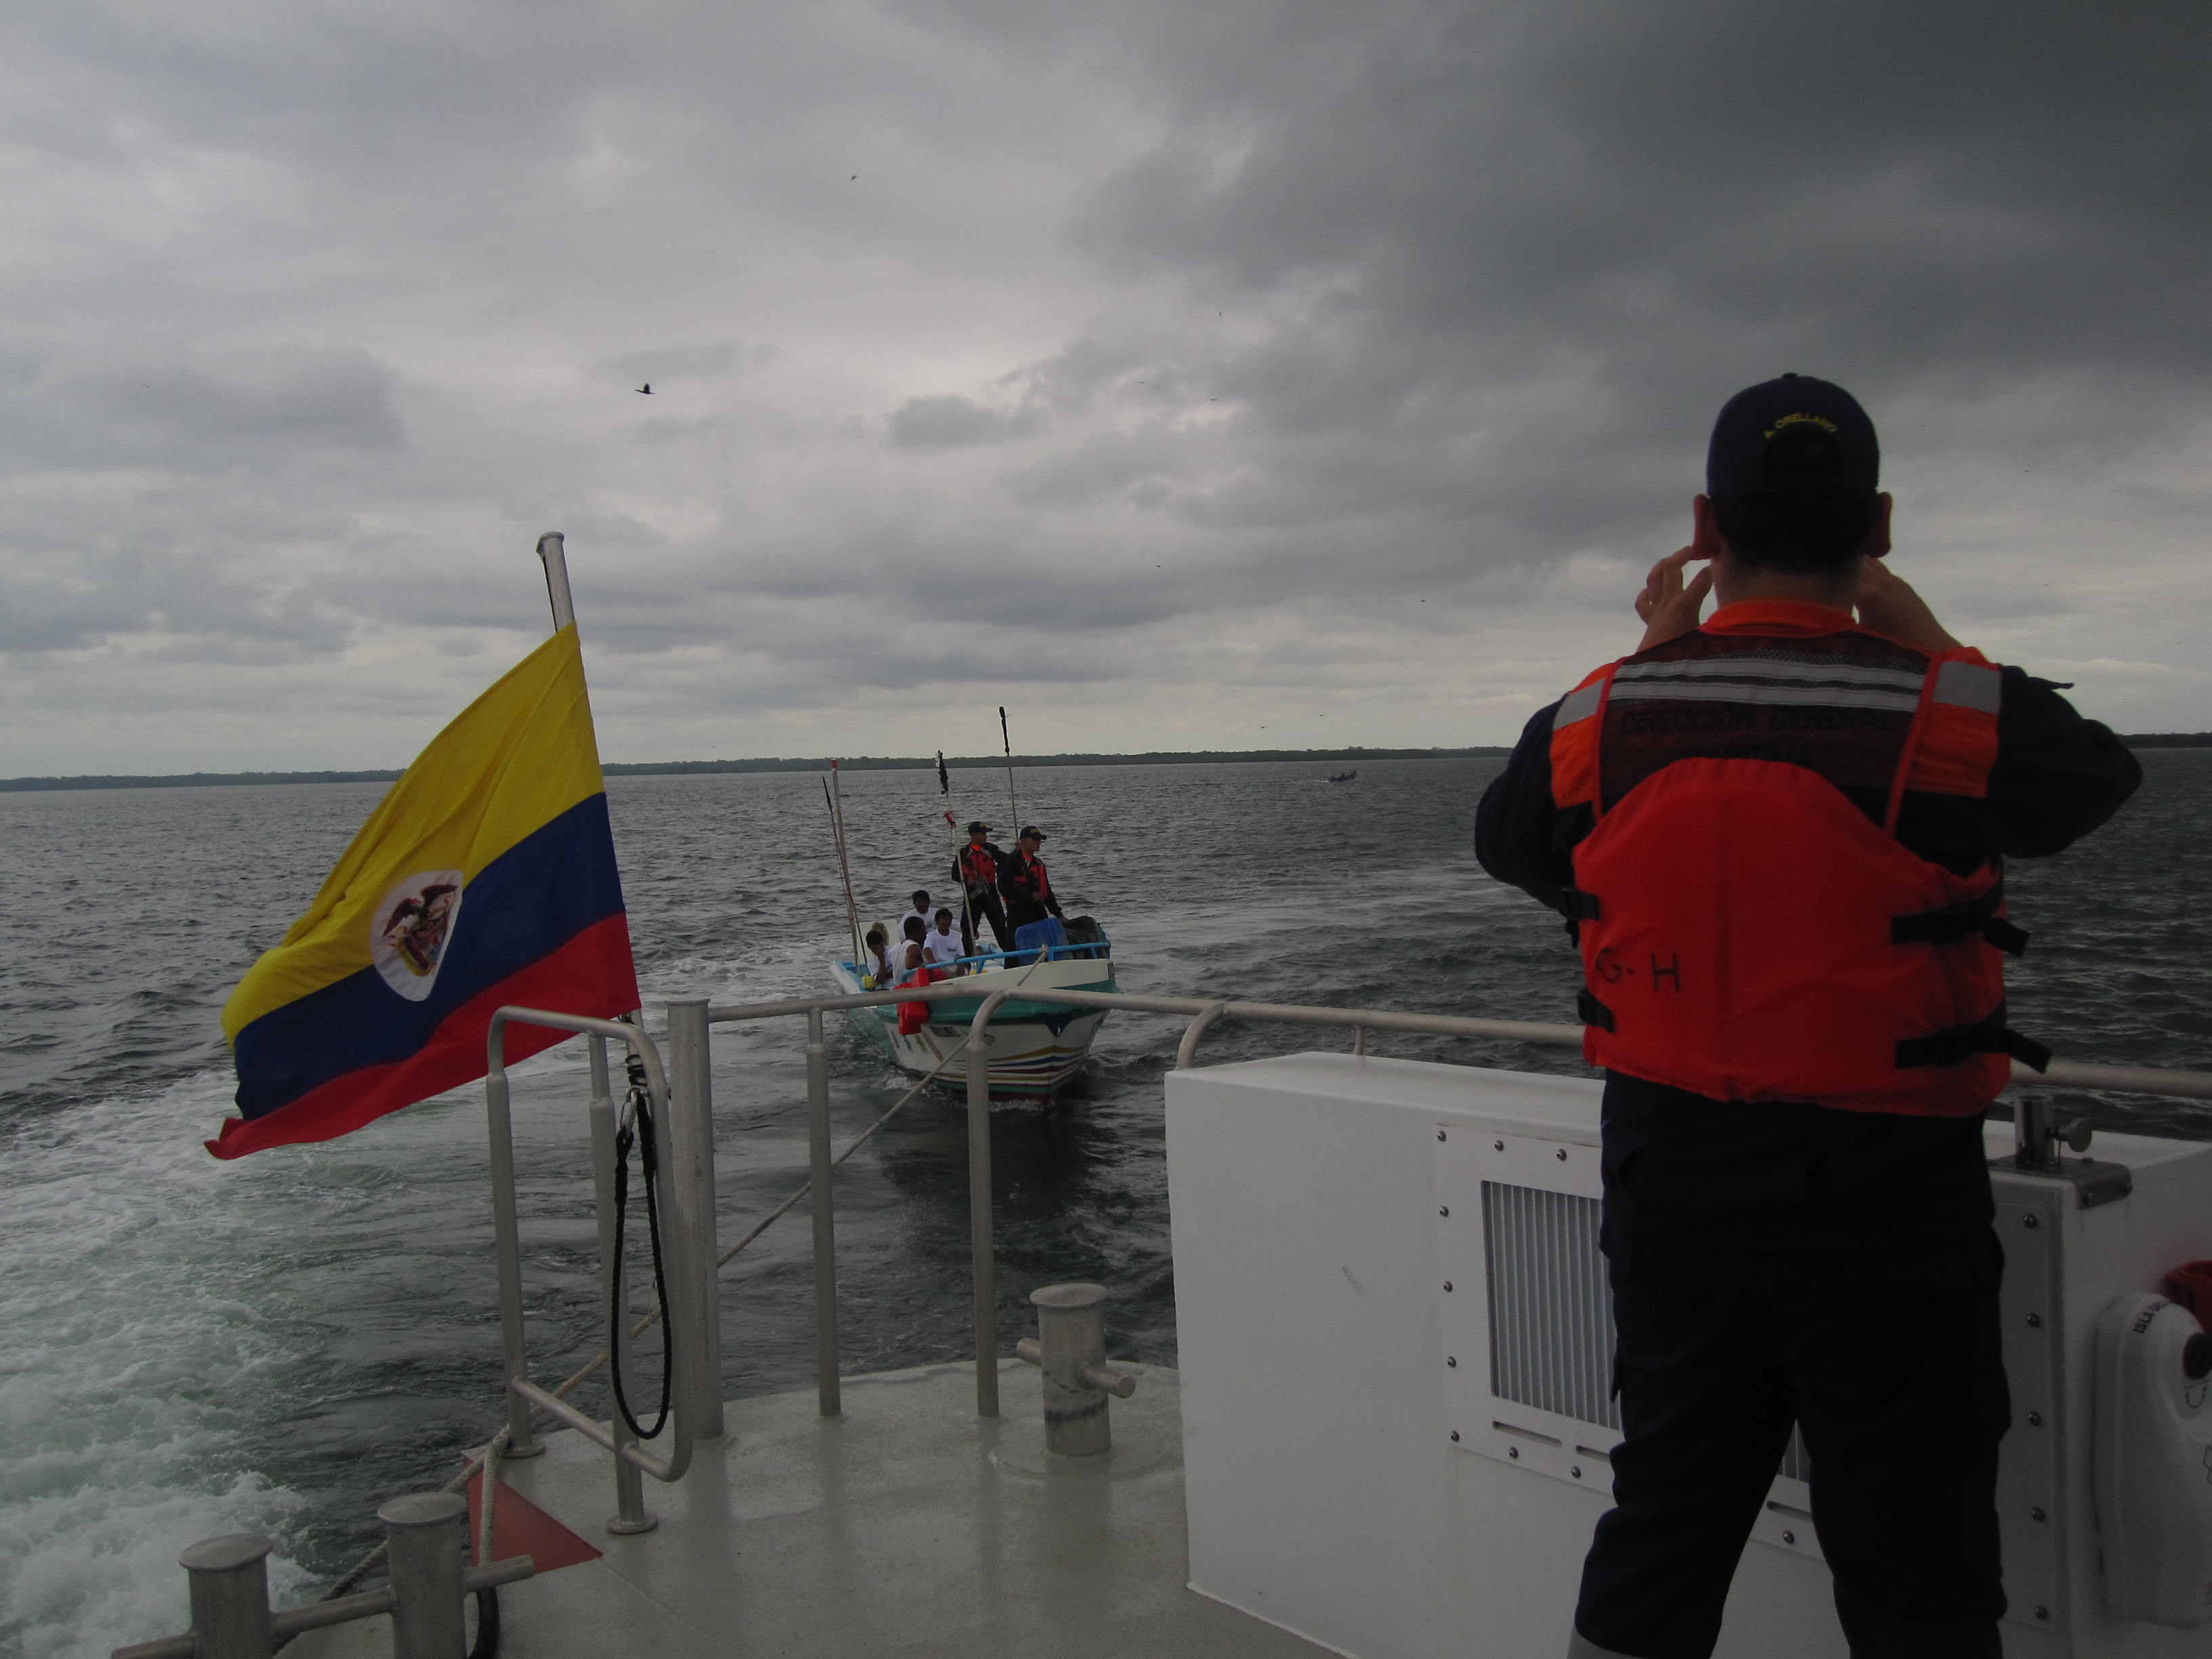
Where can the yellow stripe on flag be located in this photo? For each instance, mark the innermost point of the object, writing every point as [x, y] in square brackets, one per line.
[515, 759]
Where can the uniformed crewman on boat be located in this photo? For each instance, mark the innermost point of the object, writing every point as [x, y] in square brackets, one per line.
[976, 867]
[1022, 882]
[1778, 835]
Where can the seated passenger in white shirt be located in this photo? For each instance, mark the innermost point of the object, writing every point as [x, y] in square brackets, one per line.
[921, 911]
[876, 969]
[942, 947]
[907, 956]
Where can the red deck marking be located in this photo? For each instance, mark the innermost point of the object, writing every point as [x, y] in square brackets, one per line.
[518, 1527]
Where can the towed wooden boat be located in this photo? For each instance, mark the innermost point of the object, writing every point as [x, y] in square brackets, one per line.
[1034, 1048]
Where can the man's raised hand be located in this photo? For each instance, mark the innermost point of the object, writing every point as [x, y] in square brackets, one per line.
[1668, 607]
[1888, 604]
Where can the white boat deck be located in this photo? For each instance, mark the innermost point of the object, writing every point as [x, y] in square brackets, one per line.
[907, 1527]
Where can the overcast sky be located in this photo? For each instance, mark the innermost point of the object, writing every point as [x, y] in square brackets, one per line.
[1181, 373]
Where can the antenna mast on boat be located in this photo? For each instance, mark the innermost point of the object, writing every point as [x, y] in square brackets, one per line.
[836, 796]
[1014, 812]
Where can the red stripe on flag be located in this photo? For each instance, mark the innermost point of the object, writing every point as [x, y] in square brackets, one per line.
[592, 974]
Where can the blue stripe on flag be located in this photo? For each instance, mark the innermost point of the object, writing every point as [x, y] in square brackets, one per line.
[524, 904]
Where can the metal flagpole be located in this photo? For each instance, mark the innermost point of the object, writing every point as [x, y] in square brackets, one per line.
[1014, 812]
[837, 817]
[552, 551]
[691, 1136]
[967, 909]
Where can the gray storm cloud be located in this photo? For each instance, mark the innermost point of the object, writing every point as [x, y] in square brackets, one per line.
[1163, 372]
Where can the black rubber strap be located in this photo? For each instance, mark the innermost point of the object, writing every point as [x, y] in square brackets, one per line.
[1954, 922]
[1593, 1012]
[1962, 1044]
[1578, 906]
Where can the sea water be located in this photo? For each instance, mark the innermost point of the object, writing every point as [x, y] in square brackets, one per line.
[279, 1344]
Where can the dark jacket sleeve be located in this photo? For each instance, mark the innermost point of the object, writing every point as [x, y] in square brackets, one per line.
[1519, 834]
[2057, 776]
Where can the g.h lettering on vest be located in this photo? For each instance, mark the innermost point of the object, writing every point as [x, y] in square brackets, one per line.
[1804, 954]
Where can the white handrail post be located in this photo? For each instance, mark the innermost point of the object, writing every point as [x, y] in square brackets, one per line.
[506, 1240]
[630, 1514]
[981, 1241]
[1187, 1051]
[690, 1157]
[827, 1364]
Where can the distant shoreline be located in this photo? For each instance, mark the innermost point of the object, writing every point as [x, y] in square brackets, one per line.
[806, 763]
[895, 763]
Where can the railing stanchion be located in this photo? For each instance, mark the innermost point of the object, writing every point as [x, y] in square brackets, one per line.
[506, 1239]
[631, 1460]
[690, 1157]
[1187, 1050]
[826, 1363]
[630, 1514]
[981, 1241]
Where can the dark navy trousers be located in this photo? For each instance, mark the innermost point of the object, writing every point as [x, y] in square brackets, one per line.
[1890, 1360]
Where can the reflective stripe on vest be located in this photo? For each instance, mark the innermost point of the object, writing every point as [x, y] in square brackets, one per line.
[1747, 931]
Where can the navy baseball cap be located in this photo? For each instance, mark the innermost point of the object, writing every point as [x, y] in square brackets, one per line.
[1793, 436]
[973, 825]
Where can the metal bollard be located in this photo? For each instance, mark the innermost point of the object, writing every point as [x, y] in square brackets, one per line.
[424, 1538]
[424, 1535]
[230, 1596]
[1071, 1354]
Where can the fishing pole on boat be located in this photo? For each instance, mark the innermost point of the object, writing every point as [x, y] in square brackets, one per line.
[1014, 812]
[953, 829]
[834, 798]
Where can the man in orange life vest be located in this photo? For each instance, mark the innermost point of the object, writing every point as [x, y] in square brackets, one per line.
[975, 867]
[1024, 883]
[1778, 838]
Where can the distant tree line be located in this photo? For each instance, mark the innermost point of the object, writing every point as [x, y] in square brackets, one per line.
[901, 763]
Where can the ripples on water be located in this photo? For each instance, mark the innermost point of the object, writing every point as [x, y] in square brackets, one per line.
[278, 1345]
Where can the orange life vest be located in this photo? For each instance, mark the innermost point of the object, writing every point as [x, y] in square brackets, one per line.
[913, 1015]
[978, 869]
[1749, 934]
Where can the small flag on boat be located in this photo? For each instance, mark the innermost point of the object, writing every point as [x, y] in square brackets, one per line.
[486, 876]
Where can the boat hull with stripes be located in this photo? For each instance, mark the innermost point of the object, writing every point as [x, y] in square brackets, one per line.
[1035, 1049]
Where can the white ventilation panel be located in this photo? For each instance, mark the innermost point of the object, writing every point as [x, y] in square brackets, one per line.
[1527, 1319]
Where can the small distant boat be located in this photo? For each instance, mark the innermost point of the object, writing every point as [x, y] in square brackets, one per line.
[1034, 1048]
[1344, 777]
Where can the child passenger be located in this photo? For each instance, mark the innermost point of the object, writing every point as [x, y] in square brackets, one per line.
[942, 947]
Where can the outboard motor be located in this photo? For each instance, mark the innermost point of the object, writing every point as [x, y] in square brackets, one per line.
[2153, 1462]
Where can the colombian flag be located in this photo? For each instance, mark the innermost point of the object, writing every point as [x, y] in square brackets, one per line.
[486, 876]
